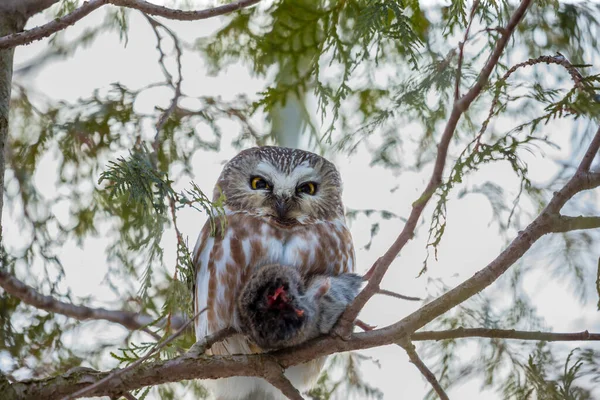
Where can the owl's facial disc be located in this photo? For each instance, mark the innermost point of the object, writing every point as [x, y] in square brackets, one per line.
[286, 185]
[285, 193]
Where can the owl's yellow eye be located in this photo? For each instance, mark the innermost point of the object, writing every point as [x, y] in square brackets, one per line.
[308, 188]
[258, 183]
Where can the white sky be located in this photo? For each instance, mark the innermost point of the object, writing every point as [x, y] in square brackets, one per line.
[470, 242]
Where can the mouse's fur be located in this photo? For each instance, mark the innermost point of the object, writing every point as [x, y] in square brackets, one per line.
[305, 311]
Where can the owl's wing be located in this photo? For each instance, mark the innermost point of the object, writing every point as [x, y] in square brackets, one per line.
[220, 268]
[201, 257]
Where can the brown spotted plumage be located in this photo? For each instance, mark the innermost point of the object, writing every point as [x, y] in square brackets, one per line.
[283, 206]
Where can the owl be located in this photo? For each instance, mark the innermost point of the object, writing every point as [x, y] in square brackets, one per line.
[283, 207]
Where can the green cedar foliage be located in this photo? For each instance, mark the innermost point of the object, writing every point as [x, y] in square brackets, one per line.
[381, 75]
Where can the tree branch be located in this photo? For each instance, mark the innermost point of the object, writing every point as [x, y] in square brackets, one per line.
[115, 374]
[29, 295]
[206, 343]
[540, 226]
[590, 154]
[461, 50]
[398, 295]
[426, 372]
[345, 325]
[563, 223]
[59, 24]
[274, 375]
[190, 366]
[504, 334]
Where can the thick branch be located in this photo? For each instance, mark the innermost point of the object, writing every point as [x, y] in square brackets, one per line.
[29, 295]
[59, 24]
[117, 373]
[274, 375]
[504, 334]
[563, 223]
[346, 322]
[426, 372]
[193, 366]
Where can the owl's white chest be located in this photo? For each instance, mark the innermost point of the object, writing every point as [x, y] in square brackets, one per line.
[292, 247]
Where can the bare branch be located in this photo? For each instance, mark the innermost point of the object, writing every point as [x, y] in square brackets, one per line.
[194, 366]
[274, 375]
[132, 366]
[344, 327]
[206, 343]
[59, 24]
[461, 49]
[563, 223]
[491, 63]
[504, 334]
[590, 154]
[29, 295]
[398, 295]
[176, 85]
[416, 360]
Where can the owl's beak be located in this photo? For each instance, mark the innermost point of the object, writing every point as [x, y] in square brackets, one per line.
[282, 206]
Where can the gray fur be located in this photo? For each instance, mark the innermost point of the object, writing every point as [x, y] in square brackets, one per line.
[342, 291]
[322, 300]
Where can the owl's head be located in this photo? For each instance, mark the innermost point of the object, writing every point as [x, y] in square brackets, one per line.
[289, 185]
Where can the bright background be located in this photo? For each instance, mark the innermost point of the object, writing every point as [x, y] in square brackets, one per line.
[470, 242]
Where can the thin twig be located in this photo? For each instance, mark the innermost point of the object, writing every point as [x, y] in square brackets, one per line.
[206, 343]
[346, 322]
[398, 295]
[461, 49]
[426, 372]
[133, 365]
[576, 77]
[590, 154]
[504, 334]
[176, 85]
[86, 8]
